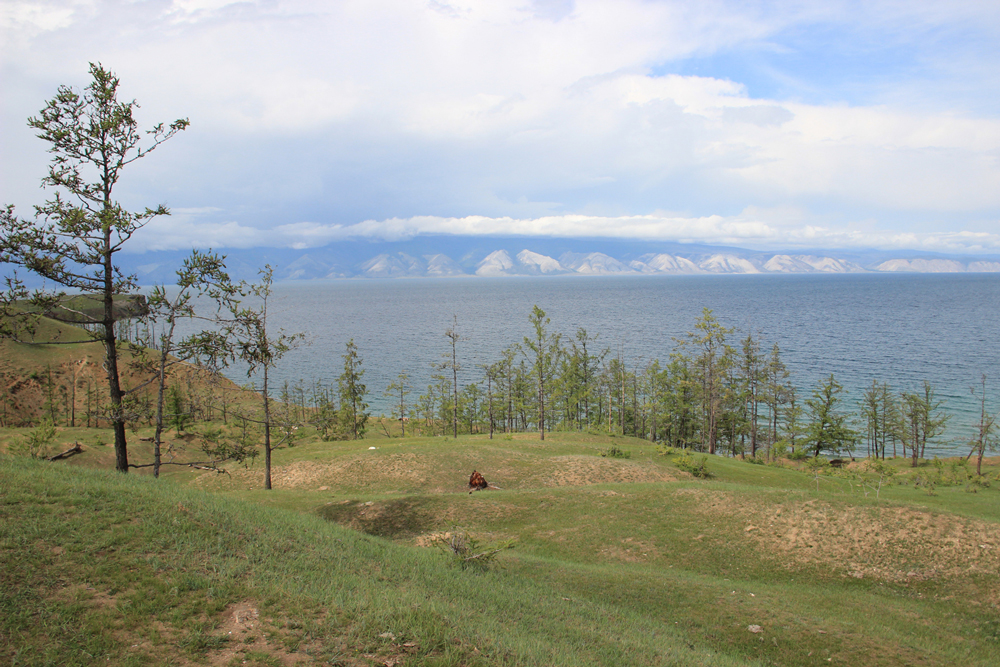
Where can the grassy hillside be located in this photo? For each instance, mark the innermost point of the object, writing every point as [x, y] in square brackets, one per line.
[59, 372]
[617, 561]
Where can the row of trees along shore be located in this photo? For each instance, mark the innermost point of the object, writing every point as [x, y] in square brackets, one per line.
[710, 395]
[714, 394]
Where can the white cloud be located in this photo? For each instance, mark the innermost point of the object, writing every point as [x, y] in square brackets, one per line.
[764, 229]
[499, 113]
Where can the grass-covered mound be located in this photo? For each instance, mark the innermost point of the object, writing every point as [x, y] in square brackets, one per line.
[617, 562]
[100, 568]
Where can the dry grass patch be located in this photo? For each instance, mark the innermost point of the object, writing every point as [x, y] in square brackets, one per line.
[377, 472]
[884, 543]
[891, 544]
[581, 470]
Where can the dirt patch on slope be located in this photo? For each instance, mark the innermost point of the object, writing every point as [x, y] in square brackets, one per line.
[896, 544]
[581, 470]
[413, 471]
[358, 472]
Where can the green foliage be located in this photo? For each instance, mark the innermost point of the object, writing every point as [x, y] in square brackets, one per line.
[178, 413]
[798, 454]
[712, 359]
[544, 356]
[77, 233]
[817, 464]
[352, 417]
[228, 444]
[466, 552]
[616, 452]
[956, 473]
[877, 468]
[827, 430]
[698, 468]
[780, 449]
[37, 442]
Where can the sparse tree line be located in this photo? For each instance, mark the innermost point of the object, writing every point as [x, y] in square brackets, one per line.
[715, 393]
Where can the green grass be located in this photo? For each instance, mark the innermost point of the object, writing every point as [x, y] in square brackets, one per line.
[617, 561]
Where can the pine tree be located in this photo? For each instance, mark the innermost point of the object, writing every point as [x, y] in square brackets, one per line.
[353, 409]
[73, 241]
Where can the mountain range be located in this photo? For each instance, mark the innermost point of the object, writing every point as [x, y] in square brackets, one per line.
[473, 257]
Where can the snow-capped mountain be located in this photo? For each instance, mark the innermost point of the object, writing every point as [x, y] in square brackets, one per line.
[664, 263]
[435, 258]
[441, 265]
[399, 265]
[809, 264]
[497, 263]
[526, 263]
[533, 264]
[726, 263]
[593, 264]
[922, 265]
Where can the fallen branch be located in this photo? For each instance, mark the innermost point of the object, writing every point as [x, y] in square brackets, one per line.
[197, 465]
[75, 449]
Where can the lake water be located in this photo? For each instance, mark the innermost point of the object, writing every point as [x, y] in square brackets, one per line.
[901, 329]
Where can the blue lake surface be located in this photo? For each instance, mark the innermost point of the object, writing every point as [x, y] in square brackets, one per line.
[901, 329]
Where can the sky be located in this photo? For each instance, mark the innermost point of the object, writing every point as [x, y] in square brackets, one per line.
[770, 125]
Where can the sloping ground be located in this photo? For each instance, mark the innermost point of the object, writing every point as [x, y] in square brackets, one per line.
[105, 569]
[60, 371]
[899, 580]
[416, 492]
[412, 470]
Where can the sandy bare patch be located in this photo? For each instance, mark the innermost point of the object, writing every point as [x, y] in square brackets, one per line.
[581, 470]
[247, 632]
[431, 539]
[362, 471]
[417, 471]
[896, 544]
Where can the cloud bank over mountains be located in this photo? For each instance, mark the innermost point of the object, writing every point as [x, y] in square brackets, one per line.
[746, 230]
[831, 124]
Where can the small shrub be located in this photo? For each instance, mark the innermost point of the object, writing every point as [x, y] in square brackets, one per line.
[798, 454]
[665, 450]
[467, 552]
[616, 452]
[977, 482]
[780, 449]
[757, 460]
[816, 464]
[37, 442]
[697, 468]
[880, 469]
[177, 411]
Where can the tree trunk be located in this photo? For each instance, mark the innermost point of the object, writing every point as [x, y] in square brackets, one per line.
[267, 435]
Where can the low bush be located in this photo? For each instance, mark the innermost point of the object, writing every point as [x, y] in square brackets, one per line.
[37, 442]
[798, 454]
[616, 452]
[698, 468]
[467, 552]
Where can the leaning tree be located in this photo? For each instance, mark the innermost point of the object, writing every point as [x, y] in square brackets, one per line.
[73, 238]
